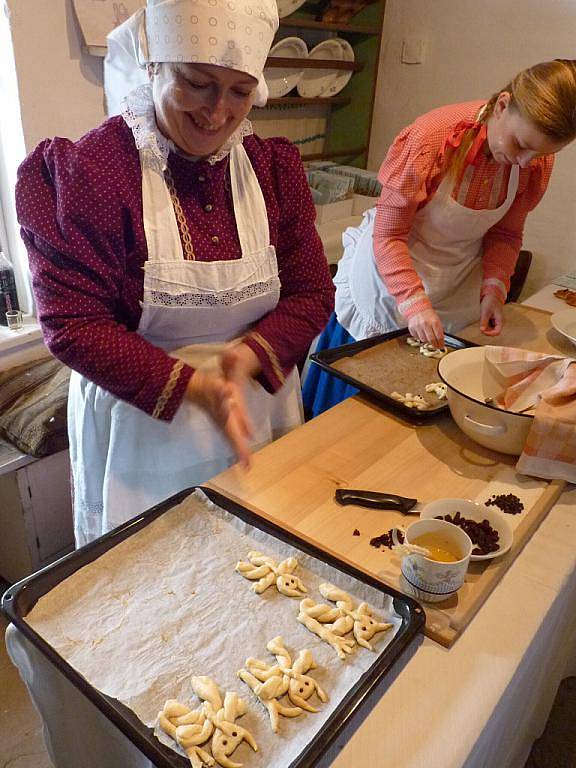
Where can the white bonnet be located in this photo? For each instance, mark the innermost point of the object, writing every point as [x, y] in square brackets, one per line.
[236, 34]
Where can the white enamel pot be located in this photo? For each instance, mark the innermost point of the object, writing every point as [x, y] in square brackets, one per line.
[470, 383]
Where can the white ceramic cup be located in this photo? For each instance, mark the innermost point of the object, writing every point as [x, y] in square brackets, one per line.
[433, 580]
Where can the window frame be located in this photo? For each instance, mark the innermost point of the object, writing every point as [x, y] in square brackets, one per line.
[12, 153]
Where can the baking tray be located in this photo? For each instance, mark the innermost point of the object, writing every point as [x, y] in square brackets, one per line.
[329, 358]
[19, 600]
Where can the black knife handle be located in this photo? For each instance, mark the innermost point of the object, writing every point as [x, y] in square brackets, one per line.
[375, 500]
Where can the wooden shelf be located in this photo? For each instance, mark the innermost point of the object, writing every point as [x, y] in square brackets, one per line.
[352, 152]
[95, 50]
[289, 63]
[300, 100]
[310, 24]
[272, 61]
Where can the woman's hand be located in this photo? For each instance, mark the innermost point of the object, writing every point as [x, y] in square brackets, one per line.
[223, 400]
[491, 315]
[426, 327]
[240, 363]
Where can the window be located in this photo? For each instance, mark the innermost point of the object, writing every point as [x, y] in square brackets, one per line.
[12, 152]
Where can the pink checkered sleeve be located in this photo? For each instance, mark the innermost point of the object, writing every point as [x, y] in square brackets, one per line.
[403, 177]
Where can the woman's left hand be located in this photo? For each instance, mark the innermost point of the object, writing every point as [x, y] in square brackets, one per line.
[491, 318]
[240, 363]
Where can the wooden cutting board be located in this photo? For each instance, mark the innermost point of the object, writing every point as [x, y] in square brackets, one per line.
[525, 327]
[357, 445]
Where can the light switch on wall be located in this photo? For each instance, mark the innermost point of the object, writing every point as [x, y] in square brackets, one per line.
[412, 51]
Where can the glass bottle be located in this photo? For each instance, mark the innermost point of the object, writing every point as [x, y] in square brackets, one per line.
[8, 295]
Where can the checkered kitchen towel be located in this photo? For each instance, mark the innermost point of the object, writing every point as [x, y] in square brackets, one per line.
[550, 382]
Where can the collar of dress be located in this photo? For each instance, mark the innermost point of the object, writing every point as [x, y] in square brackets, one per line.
[139, 116]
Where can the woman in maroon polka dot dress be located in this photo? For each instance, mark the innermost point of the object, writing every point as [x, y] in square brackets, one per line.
[175, 265]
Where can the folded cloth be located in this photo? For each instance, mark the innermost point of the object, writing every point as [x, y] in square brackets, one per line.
[33, 401]
[549, 381]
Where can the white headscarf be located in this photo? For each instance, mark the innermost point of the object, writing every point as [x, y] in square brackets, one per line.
[229, 33]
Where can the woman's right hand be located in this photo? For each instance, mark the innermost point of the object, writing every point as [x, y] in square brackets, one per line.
[224, 401]
[427, 327]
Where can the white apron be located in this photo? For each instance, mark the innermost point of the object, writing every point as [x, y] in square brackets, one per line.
[445, 244]
[123, 460]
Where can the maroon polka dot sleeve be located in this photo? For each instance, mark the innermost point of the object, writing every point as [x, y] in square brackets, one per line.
[79, 206]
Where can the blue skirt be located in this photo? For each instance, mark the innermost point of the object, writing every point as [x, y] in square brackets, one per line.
[321, 390]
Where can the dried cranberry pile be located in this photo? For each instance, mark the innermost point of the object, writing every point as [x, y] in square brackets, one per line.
[507, 502]
[484, 538]
[385, 540]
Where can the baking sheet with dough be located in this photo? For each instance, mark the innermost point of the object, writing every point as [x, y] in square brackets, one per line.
[393, 366]
[166, 604]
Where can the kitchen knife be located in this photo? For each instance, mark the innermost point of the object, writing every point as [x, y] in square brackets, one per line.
[376, 500]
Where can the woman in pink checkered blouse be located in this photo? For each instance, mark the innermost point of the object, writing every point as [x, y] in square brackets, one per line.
[438, 250]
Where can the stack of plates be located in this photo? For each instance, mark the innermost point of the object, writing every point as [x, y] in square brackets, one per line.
[281, 81]
[327, 82]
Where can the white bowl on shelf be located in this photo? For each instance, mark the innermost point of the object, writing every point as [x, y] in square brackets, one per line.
[324, 83]
[344, 75]
[281, 81]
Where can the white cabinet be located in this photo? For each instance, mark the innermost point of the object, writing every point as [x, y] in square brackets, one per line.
[36, 524]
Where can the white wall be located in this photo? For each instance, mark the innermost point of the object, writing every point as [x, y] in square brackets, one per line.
[60, 87]
[12, 144]
[49, 87]
[471, 49]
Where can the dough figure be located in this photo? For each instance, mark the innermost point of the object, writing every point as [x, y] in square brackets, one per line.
[330, 624]
[330, 633]
[365, 625]
[269, 683]
[227, 733]
[265, 572]
[189, 728]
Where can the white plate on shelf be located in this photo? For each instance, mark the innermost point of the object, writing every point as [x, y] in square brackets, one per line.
[344, 75]
[286, 7]
[472, 510]
[565, 323]
[324, 83]
[280, 81]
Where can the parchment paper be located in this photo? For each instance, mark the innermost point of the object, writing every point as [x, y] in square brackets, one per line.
[166, 604]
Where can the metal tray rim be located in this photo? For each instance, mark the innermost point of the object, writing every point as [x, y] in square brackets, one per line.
[16, 603]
